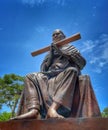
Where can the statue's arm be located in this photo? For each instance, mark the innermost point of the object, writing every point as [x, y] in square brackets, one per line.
[72, 54]
[75, 56]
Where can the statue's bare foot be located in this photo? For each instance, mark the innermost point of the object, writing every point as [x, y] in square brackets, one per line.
[32, 114]
[52, 113]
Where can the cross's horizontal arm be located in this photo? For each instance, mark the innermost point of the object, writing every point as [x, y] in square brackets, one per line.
[60, 43]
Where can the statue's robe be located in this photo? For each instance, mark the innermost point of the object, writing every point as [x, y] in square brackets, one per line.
[60, 81]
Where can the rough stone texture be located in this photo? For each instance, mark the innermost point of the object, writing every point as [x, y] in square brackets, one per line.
[57, 124]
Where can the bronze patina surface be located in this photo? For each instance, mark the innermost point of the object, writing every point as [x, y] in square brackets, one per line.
[59, 90]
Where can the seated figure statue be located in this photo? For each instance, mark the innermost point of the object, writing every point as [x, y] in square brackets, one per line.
[58, 90]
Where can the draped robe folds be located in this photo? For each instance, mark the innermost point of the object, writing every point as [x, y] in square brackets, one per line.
[60, 81]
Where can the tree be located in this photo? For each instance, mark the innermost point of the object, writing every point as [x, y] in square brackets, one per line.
[5, 116]
[11, 86]
[105, 112]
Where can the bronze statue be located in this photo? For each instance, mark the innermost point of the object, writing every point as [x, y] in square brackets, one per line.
[58, 90]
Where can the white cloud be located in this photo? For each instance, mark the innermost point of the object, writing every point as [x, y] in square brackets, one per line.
[105, 52]
[87, 46]
[39, 2]
[94, 60]
[97, 52]
[97, 70]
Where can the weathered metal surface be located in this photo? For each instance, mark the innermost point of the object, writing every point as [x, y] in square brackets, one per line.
[57, 124]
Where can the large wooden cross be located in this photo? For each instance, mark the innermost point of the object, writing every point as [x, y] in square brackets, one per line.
[59, 43]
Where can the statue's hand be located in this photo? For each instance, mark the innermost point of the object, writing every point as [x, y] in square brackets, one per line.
[54, 47]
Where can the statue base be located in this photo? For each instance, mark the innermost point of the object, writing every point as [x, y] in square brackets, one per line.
[57, 124]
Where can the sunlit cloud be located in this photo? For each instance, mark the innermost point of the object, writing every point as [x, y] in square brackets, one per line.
[87, 46]
[97, 52]
[40, 2]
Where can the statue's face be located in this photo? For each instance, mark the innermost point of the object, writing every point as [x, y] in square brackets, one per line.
[57, 36]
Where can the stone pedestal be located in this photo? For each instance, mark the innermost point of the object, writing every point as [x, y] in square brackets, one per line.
[57, 124]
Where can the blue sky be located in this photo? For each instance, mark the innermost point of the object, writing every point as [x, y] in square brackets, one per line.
[27, 25]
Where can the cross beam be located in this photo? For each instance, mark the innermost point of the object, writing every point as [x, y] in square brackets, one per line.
[59, 43]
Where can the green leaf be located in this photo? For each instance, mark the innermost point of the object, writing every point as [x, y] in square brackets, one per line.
[11, 86]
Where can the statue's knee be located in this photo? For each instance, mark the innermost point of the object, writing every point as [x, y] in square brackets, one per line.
[72, 69]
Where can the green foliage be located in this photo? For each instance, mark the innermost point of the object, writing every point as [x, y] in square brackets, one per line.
[5, 116]
[11, 86]
[105, 112]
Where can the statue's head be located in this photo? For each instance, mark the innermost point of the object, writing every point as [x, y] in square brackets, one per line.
[57, 35]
